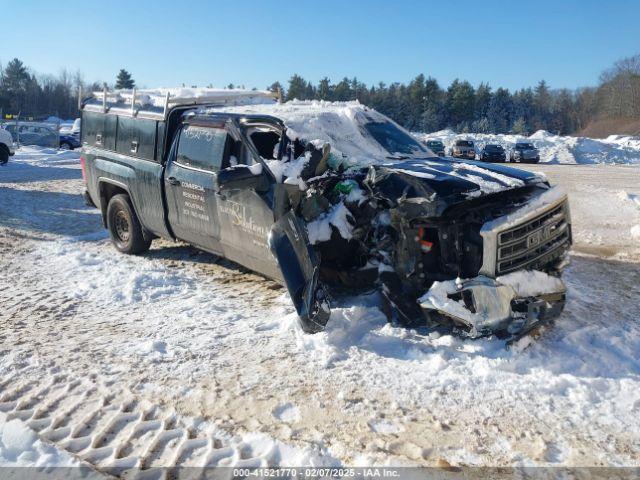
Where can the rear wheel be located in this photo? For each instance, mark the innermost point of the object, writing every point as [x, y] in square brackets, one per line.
[4, 155]
[124, 227]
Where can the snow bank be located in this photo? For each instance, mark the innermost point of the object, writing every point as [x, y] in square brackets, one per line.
[20, 447]
[554, 148]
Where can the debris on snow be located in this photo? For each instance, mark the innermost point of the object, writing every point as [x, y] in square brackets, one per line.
[531, 283]
[338, 216]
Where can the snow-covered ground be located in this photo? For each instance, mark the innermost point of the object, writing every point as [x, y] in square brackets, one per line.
[20, 446]
[615, 149]
[179, 358]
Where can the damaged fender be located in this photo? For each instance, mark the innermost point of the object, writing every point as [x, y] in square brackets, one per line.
[300, 267]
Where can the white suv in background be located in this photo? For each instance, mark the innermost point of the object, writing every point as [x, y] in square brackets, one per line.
[6, 146]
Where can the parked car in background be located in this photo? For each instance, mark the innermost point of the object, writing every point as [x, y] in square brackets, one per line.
[436, 146]
[6, 146]
[464, 149]
[525, 152]
[29, 133]
[493, 153]
[69, 141]
[70, 128]
[42, 135]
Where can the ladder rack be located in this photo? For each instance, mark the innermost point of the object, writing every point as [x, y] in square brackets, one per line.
[157, 103]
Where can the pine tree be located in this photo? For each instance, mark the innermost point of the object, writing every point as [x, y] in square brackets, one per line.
[342, 91]
[460, 103]
[481, 126]
[483, 97]
[297, 88]
[519, 127]
[15, 76]
[16, 85]
[276, 87]
[124, 80]
[324, 89]
[499, 112]
[542, 106]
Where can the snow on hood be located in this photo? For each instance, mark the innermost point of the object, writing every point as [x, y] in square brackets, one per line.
[341, 125]
[471, 178]
[336, 123]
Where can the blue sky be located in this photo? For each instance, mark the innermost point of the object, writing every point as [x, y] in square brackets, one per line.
[168, 43]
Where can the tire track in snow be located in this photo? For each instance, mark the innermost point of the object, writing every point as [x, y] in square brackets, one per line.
[114, 431]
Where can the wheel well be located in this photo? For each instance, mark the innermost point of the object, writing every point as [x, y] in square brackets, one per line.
[108, 190]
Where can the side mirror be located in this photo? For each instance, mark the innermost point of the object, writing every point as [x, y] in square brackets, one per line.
[243, 177]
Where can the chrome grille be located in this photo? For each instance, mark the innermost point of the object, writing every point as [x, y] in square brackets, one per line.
[535, 243]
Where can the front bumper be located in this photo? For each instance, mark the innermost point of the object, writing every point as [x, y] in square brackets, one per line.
[467, 155]
[494, 158]
[508, 306]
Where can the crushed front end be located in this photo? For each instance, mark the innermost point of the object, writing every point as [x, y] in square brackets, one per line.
[518, 285]
[440, 255]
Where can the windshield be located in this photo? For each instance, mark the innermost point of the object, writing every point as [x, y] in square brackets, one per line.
[435, 144]
[494, 148]
[525, 146]
[394, 140]
[464, 143]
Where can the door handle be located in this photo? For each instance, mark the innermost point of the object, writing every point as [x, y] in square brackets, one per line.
[173, 181]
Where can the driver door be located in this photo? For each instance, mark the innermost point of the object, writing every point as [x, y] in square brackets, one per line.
[197, 155]
[247, 216]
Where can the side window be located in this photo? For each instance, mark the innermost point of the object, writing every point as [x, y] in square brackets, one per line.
[266, 142]
[204, 148]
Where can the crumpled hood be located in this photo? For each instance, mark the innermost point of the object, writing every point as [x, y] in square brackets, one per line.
[434, 177]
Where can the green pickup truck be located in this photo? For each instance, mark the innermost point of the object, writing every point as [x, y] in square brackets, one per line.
[325, 196]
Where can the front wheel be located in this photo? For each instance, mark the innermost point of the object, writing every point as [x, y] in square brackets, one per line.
[124, 227]
[66, 146]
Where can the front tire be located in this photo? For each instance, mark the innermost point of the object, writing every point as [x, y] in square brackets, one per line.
[124, 227]
[66, 146]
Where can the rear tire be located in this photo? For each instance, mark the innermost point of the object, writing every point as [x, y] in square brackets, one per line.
[4, 155]
[124, 227]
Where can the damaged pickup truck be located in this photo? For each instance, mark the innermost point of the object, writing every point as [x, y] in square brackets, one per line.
[325, 197]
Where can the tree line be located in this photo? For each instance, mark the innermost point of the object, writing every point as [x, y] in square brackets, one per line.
[27, 95]
[423, 105]
[419, 105]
